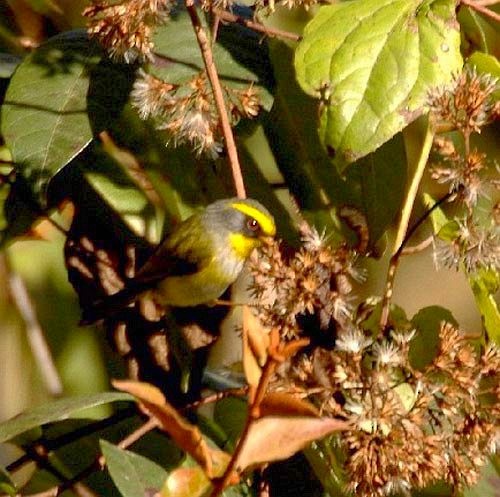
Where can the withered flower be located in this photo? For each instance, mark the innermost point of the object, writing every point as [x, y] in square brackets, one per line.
[466, 102]
[126, 28]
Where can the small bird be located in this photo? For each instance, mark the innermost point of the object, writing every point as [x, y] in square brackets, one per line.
[197, 262]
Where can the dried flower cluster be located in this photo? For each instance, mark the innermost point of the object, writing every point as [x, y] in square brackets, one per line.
[187, 112]
[126, 28]
[411, 427]
[474, 247]
[270, 5]
[307, 293]
[466, 104]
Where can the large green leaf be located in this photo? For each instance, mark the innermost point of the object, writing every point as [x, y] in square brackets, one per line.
[58, 97]
[240, 56]
[56, 411]
[373, 62]
[133, 475]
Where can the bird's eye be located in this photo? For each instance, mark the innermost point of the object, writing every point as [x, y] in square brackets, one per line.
[252, 224]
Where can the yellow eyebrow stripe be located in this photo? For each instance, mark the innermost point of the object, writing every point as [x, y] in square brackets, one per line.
[265, 221]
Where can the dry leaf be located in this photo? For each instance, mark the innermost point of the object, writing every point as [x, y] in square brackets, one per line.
[255, 346]
[274, 438]
[257, 334]
[283, 404]
[187, 436]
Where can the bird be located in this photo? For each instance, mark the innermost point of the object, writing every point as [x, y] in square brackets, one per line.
[197, 261]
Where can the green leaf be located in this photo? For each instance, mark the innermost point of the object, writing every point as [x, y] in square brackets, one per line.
[383, 175]
[56, 411]
[427, 322]
[437, 217]
[373, 62]
[240, 56]
[484, 62]
[133, 475]
[484, 286]
[6, 484]
[58, 96]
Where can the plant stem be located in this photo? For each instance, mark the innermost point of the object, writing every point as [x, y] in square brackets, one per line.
[253, 414]
[34, 332]
[401, 235]
[271, 32]
[213, 77]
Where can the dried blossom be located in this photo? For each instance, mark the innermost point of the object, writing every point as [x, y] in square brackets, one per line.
[466, 102]
[310, 289]
[289, 4]
[188, 112]
[411, 428]
[463, 175]
[474, 246]
[126, 28]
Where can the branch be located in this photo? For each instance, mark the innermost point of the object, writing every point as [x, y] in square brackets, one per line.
[271, 32]
[402, 236]
[253, 414]
[480, 7]
[34, 332]
[213, 77]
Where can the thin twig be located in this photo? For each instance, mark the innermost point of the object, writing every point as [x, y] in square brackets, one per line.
[402, 235]
[132, 167]
[480, 7]
[34, 332]
[71, 437]
[210, 399]
[255, 26]
[419, 247]
[75, 483]
[401, 251]
[206, 52]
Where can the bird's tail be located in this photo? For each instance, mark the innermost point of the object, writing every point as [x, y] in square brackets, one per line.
[107, 306]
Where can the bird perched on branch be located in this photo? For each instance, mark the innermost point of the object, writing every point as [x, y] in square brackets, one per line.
[198, 261]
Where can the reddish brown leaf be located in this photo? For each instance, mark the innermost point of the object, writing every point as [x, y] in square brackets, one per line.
[187, 436]
[274, 438]
[255, 346]
[283, 404]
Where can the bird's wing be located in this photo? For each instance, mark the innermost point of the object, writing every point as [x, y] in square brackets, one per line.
[167, 261]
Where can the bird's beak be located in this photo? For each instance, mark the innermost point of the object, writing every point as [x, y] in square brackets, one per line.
[266, 240]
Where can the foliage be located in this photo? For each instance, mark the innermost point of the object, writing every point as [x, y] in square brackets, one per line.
[345, 120]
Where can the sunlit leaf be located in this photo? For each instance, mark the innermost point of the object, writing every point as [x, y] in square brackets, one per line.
[372, 63]
[56, 411]
[255, 340]
[133, 475]
[484, 286]
[288, 435]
